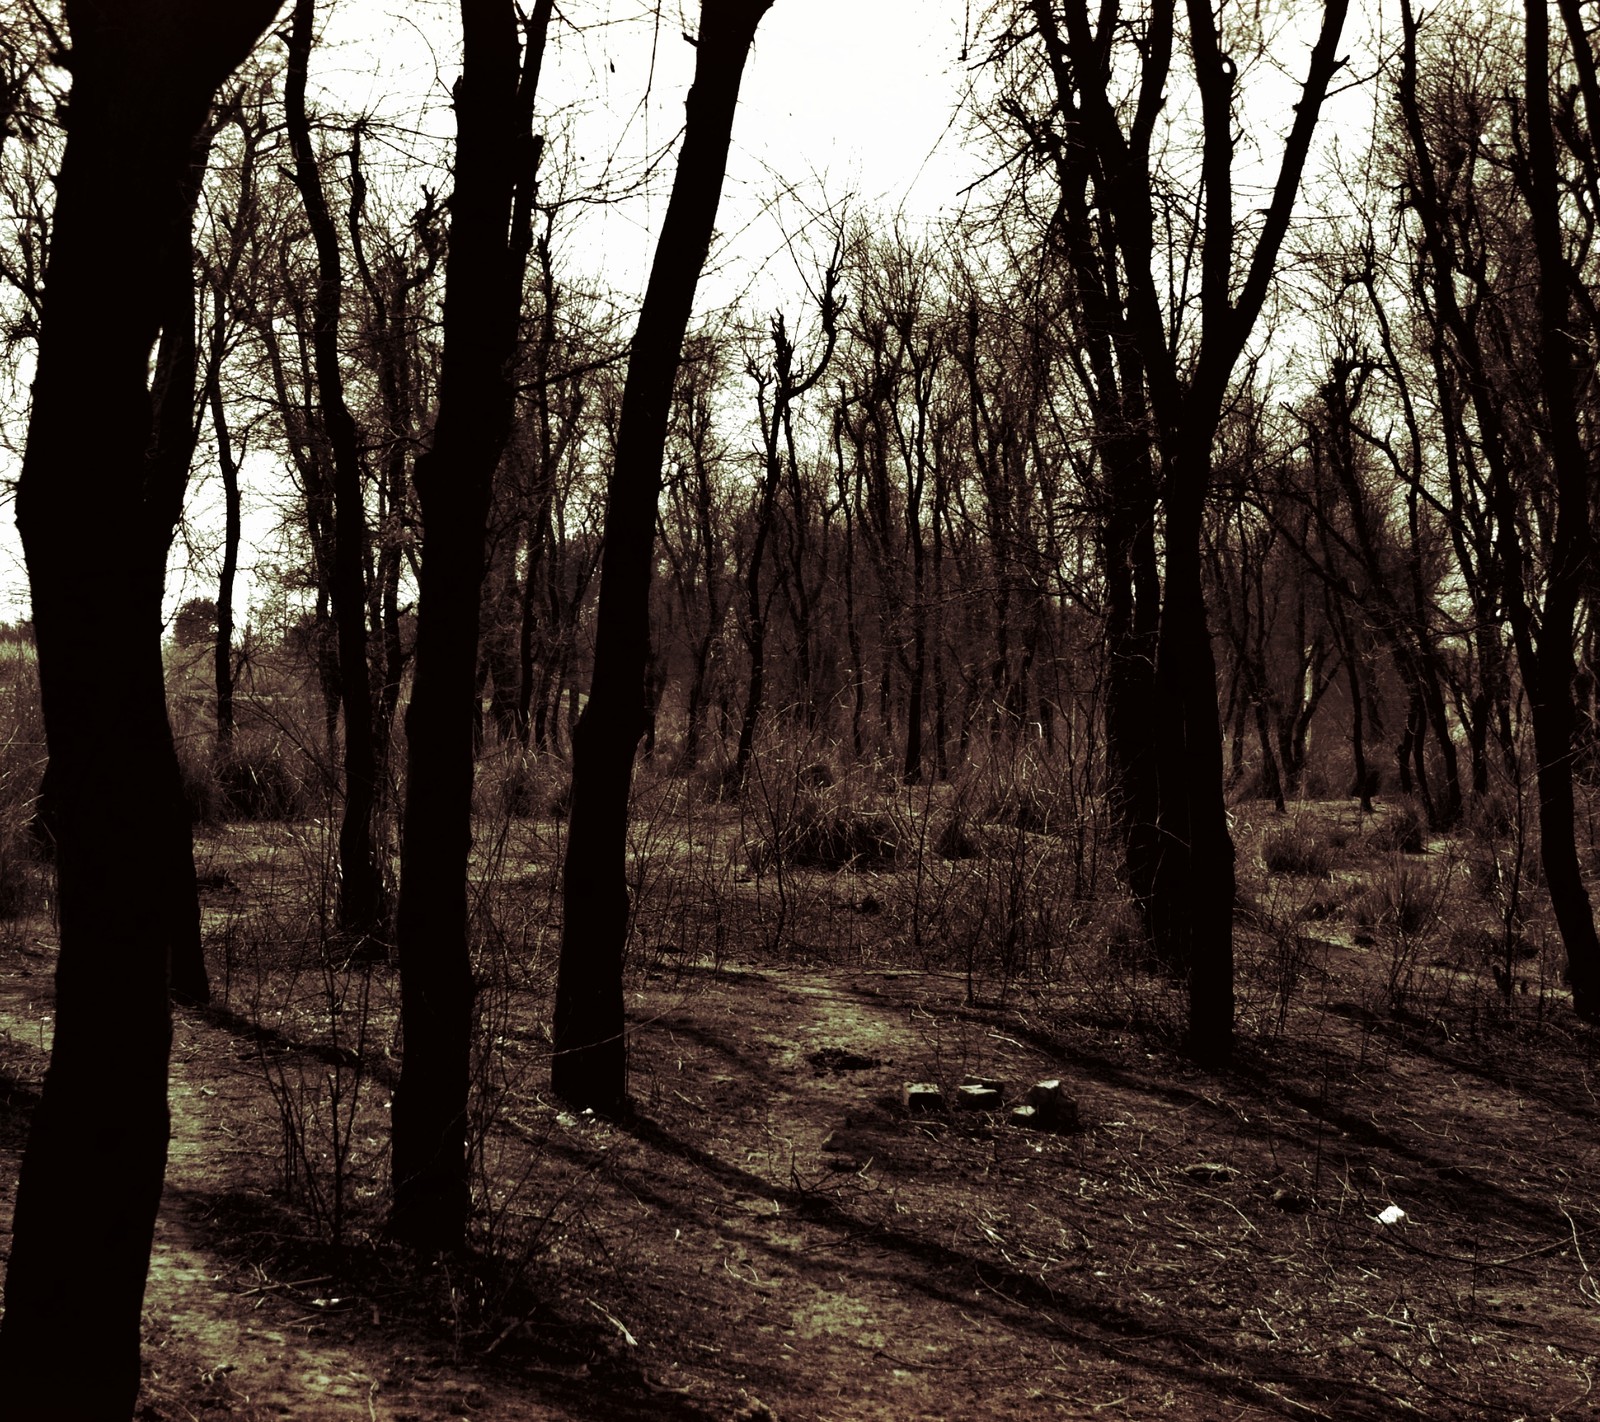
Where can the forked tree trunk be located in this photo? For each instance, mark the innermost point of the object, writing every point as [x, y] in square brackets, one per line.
[143, 76]
[590, 1064]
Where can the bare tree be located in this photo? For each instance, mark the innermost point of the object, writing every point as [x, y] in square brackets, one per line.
[497, 159]
[95, 526]
[590, 1064]
[361, 908]
[1185, 380]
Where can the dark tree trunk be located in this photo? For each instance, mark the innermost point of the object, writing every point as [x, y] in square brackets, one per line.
[1133, 593]
[755, 613]
[95, 530]
[590, 1064]
[1550, 690]
[166, 477]
[223, 658]
[361, 908]
[495, 167]
[1193, 890]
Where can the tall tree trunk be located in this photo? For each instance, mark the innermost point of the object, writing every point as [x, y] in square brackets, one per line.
[1193, 889]
[95, 531]
[174, 434]
[590, 1064]
[361, 907]
[1550, 685]
[223, 658]
[496, 163]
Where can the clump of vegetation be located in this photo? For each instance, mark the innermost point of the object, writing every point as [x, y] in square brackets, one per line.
[956, 840]
[254, 783]
[1402, 900]
[821, 836]
[1404, 828]
[1294, 848]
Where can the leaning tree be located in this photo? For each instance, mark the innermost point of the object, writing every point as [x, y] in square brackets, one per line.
[590, 1065]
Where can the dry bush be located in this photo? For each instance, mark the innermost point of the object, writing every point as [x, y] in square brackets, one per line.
[255, 782]
[1296, 848]
[818, 835]
[1402, 899]
[1404, 829]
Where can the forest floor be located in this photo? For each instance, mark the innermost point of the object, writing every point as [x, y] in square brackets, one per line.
[773, 1235]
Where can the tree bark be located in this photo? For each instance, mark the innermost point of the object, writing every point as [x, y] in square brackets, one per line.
[1550, 691]
[223, 658]
[496, 164]
[361, 908]
[95, 531]
[590, 1064]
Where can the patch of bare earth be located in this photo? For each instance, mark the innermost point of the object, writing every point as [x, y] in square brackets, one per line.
[1379, 1210]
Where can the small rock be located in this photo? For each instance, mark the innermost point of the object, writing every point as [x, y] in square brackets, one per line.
[1027, 1116]
[977, 1096]
[1049, 1098]
[1291, 1201]
[1391, 1215]
[921, 1097]
[1210, 1170]
[991, 1083]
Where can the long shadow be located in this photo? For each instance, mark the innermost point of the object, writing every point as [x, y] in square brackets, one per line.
[567, 1361]
[19, 1099]
[1108, 1330]
[237, 1025]
[1262, 1083]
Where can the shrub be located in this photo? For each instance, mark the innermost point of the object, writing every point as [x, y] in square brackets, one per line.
[1293, 849]
[818, 836]
[1403, 900]
[956, 841]
[1403, 828]
[255, 784]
